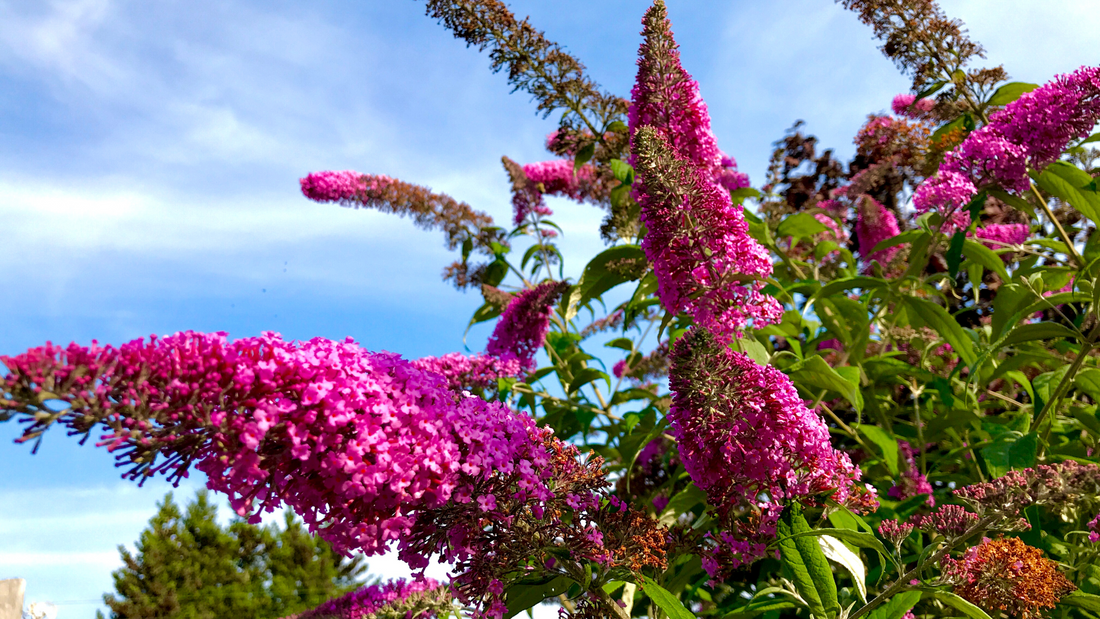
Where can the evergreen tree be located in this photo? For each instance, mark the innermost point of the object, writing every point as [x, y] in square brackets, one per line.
[187, 566]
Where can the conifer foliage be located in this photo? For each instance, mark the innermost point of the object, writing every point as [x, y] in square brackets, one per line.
[188, 566]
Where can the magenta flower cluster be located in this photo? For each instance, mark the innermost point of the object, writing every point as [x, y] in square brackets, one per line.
[665, 96]
[375, 600]
[336, 186]
[909, 106]
[747, 439]
[698, 244]
[1029, 132]
[521, 330]
[874, 224]
[357, 443]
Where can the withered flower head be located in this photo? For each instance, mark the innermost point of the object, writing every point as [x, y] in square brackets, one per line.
[1007, 575]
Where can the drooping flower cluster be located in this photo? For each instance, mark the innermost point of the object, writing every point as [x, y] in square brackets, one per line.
[396, 599]
[356, 442]
[470, 371]
[911, 482]
[699, 245]
[1029, 132]
[874, 224]
[377, 191]
[521, 330]
[747, 439]
[1007, 575]
[667, 98]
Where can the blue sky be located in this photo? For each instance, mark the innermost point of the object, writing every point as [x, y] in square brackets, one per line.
[149, 157]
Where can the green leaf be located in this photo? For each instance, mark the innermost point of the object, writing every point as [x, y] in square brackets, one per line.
[986, 257]
[840, 554]
[1038, 331]
[667, 602]
[757, 607]
[583, 156]
[585, 376]
[800, 225]
[885, 442]
[745, 192]
[1069, 183]
[841, 285]
[521, 596]
[618, 126]
[1012, 200]
[598, 278]
[1088, 380]
[815, 372]
[954, 252]
[897, 606]
[623, 171]
[960, 605]
[1086, 601]
[937, 318]
[1008, 453]
[682, 503]
[1092, 138]
[856, 538]
[808, 567]
[753, 348]
[622, 343]
[905, 237]
[1010, 92]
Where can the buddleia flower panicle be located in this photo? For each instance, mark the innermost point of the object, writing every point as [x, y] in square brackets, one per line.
[376, 191]
[950, 521]
[521, 330]
[874, 224]
[1030, 132]
[698, 243]
[396, 599]
[666, 98]
[748, 440]
[1007, 575]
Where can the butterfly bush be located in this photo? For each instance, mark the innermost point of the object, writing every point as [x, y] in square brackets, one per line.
[667, 98]
[699, 246]
[999, 236]
[748, 440]
[1029, 132]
